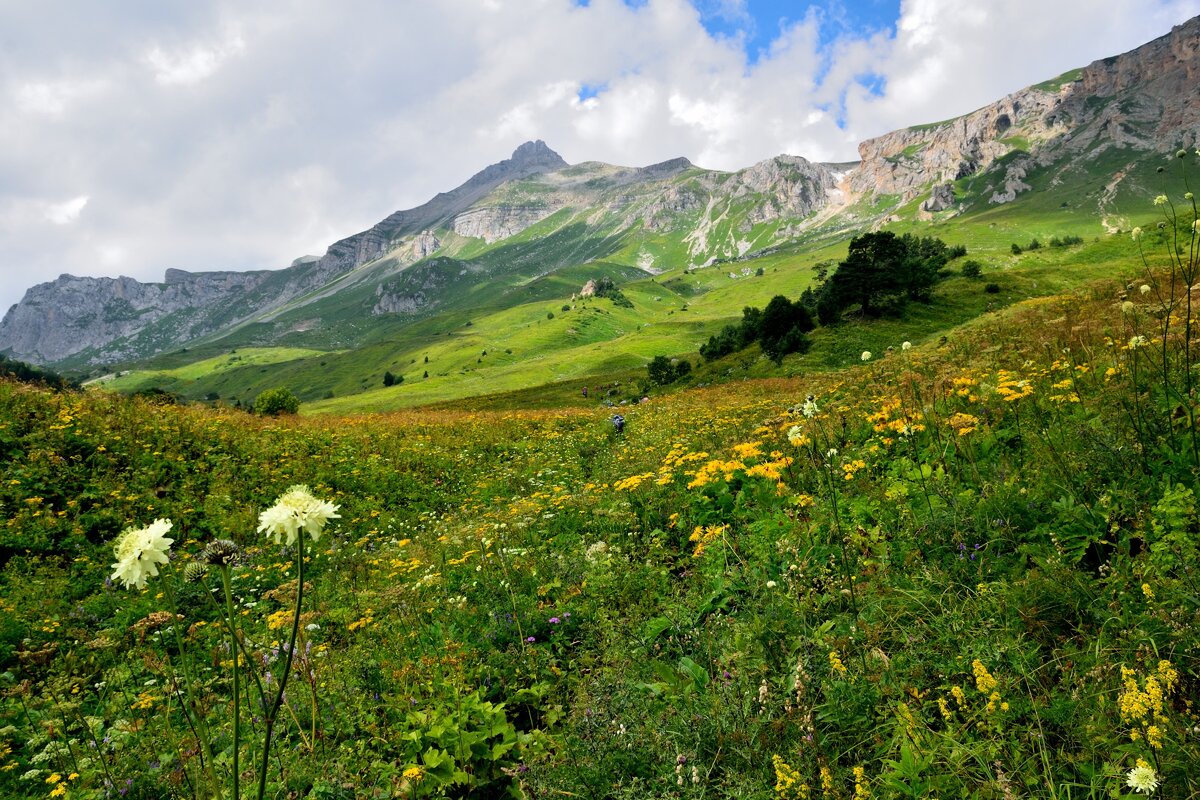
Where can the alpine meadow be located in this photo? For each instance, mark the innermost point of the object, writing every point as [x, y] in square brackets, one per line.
[805, 481]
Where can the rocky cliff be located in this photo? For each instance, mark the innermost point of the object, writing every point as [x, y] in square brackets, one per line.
[70, 315]
[1145, 99]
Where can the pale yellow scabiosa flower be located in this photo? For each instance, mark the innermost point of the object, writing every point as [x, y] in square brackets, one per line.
[1142, 778]
[866, 355]
[1137, 234]
[139, 551]
[1161, 200]
[905, 345]
[296, 510]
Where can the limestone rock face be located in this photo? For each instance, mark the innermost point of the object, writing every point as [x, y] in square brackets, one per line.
[940, 199]
[71, 314]
[1145, 99]
[790, 186]
[496, 223]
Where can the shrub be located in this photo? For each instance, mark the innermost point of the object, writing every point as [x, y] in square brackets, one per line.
[274, 402]
[389, 379]
[992, 288]
[972, 269]
[662, 370]
[1016, 249]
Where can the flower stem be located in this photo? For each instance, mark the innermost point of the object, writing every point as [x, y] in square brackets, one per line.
[235, 654]
[287, 667]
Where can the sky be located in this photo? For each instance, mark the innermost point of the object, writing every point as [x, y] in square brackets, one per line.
[140, 135]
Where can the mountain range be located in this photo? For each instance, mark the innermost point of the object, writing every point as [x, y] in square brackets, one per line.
[1077, 150]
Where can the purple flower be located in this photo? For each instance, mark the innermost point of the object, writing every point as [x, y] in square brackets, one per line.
[554, 620]
[531, 639]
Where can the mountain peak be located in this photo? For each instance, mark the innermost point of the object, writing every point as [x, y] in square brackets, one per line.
[537, 152]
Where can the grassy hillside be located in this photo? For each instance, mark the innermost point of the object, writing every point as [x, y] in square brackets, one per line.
[961, 569]
[517, 299]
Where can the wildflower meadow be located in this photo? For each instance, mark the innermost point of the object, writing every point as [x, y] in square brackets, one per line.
[966, 566]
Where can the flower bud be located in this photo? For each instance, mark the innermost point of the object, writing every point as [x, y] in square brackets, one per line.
[220, 553]
[195, 571]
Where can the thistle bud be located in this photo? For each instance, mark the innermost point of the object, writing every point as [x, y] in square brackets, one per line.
[220, 553]
[195, 571]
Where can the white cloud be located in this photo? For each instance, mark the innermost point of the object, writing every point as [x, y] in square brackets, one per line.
[66, 212]
[303, 123]
[194, 63]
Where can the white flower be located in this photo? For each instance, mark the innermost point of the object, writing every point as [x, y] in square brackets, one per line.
[1142, 778]
[809, 409]
[1161, 200]
[795, 434]
[866, 356]
[1127, 307]
[771, 584]
[1137, 341]
[1144, 288]
[1137, 234]
[139, 551]
[905, 345]
[831, 453]
[296, 510]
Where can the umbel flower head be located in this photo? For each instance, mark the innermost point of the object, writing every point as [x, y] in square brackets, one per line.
[139, 551]
[296, 510]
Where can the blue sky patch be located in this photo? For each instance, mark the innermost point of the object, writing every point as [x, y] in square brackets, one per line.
[760, 22]
[590, 90]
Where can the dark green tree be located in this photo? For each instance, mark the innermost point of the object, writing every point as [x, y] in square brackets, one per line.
[871, 274]
[660, 370]
[273, 402]
[782, 328]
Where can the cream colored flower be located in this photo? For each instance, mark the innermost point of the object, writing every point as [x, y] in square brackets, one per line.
[296, 510]
[1161, 200]
[905, 345]
[1127, 307]
[1137, 234]
[1144, 288]
[866, 355]
[139, 551]
[1142, 778]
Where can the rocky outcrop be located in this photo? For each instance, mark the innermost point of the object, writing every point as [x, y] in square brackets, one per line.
[1013, 182]
[906, 162]
[70, 315]
[1144, 99]
[494, 223]
[789, 186]
[940, 199]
